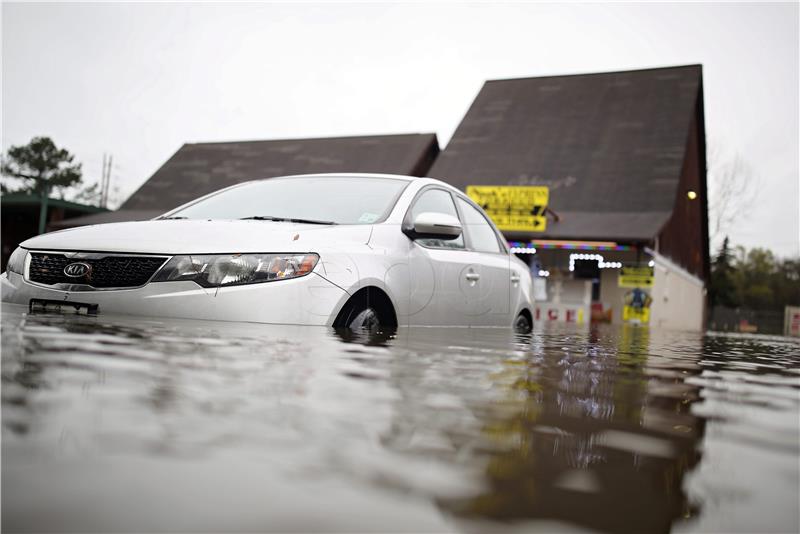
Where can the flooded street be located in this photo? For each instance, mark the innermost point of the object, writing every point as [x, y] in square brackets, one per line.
[124, 424]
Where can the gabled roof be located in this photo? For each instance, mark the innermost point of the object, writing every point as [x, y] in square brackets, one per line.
[200, 168]
[610, 146]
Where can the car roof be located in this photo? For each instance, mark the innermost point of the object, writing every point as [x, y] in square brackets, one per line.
[345, 175]
[416, 179]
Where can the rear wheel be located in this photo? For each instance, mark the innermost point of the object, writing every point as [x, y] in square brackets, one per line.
[522, 324]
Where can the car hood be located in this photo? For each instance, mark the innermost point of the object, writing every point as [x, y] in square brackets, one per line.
[201, 237]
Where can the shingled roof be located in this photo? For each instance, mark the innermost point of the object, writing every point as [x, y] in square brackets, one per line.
[610, 146]
[206, 167]
[200, 168]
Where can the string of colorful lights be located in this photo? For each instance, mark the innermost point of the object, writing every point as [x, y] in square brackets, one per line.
[521, 247]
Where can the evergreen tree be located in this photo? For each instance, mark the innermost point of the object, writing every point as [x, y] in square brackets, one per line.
[41, 167]
[723, 287]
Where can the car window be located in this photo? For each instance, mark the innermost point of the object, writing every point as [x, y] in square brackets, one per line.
[336, 199]
[481, 234]
[436, 201]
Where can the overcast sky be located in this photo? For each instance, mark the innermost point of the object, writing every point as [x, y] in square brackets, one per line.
[139, 80]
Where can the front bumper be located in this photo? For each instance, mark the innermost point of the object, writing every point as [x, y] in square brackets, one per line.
[308, 300]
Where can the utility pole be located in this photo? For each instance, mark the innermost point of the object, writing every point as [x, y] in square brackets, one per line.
[108, 179]
[45, 196]
[105, 180]
[103, 183]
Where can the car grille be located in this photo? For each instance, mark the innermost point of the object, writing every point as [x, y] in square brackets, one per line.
[105, 272]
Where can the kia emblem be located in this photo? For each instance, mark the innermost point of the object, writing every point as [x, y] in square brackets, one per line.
[76, 270]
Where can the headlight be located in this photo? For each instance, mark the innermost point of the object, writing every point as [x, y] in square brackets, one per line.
[16, 263]
[219, 270]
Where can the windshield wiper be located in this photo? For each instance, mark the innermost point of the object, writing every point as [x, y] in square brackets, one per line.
[284, 219]
[170, 218]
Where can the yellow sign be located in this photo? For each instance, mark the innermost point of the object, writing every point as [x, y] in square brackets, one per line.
[631, 314]
[519, 208]
[636, 277]
[636, 306]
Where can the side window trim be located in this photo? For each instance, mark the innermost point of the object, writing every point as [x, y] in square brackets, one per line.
[462, 218]
[502, 248]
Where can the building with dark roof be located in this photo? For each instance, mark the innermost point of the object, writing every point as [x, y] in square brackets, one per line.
[200, 168]
[623, 155]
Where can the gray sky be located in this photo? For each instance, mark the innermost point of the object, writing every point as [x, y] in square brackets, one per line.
[139, 80]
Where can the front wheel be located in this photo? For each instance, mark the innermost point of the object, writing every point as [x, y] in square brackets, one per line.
[369, 309]
[366, 319]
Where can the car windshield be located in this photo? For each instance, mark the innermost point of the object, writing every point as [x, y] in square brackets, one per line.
[322, 199]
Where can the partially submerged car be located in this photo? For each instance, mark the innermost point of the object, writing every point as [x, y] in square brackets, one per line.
[343, 250]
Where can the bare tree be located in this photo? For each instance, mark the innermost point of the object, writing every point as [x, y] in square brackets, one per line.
[732, 191]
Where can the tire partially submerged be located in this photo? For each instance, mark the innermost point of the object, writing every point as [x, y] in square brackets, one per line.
[523, 323]
[368, 309]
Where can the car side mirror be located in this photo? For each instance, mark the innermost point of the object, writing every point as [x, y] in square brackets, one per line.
[431, 225]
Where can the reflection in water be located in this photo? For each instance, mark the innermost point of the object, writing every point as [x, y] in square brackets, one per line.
[590, 435]
[116, 423]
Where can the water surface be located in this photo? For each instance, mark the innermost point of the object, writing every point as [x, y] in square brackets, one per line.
[114, 423]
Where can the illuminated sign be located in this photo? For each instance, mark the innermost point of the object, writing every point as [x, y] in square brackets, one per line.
[636, 277]
[515, 208]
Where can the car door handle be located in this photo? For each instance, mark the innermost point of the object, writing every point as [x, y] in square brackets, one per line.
[515, 278]
[473, 277]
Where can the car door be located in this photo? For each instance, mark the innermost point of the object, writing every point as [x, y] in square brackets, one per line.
[493, 306]
[443, 275]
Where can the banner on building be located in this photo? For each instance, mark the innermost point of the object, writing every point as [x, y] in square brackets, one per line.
[515, 208]
[560, 312]
[641, 277]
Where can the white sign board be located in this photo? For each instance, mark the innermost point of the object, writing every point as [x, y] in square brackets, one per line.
[791, 321]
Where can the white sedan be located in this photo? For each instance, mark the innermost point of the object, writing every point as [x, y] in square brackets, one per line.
[343, 250]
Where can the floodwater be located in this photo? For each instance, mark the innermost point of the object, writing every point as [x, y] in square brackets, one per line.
[125, 424]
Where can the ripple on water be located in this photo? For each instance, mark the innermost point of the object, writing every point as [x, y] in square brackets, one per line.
[113, 423]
